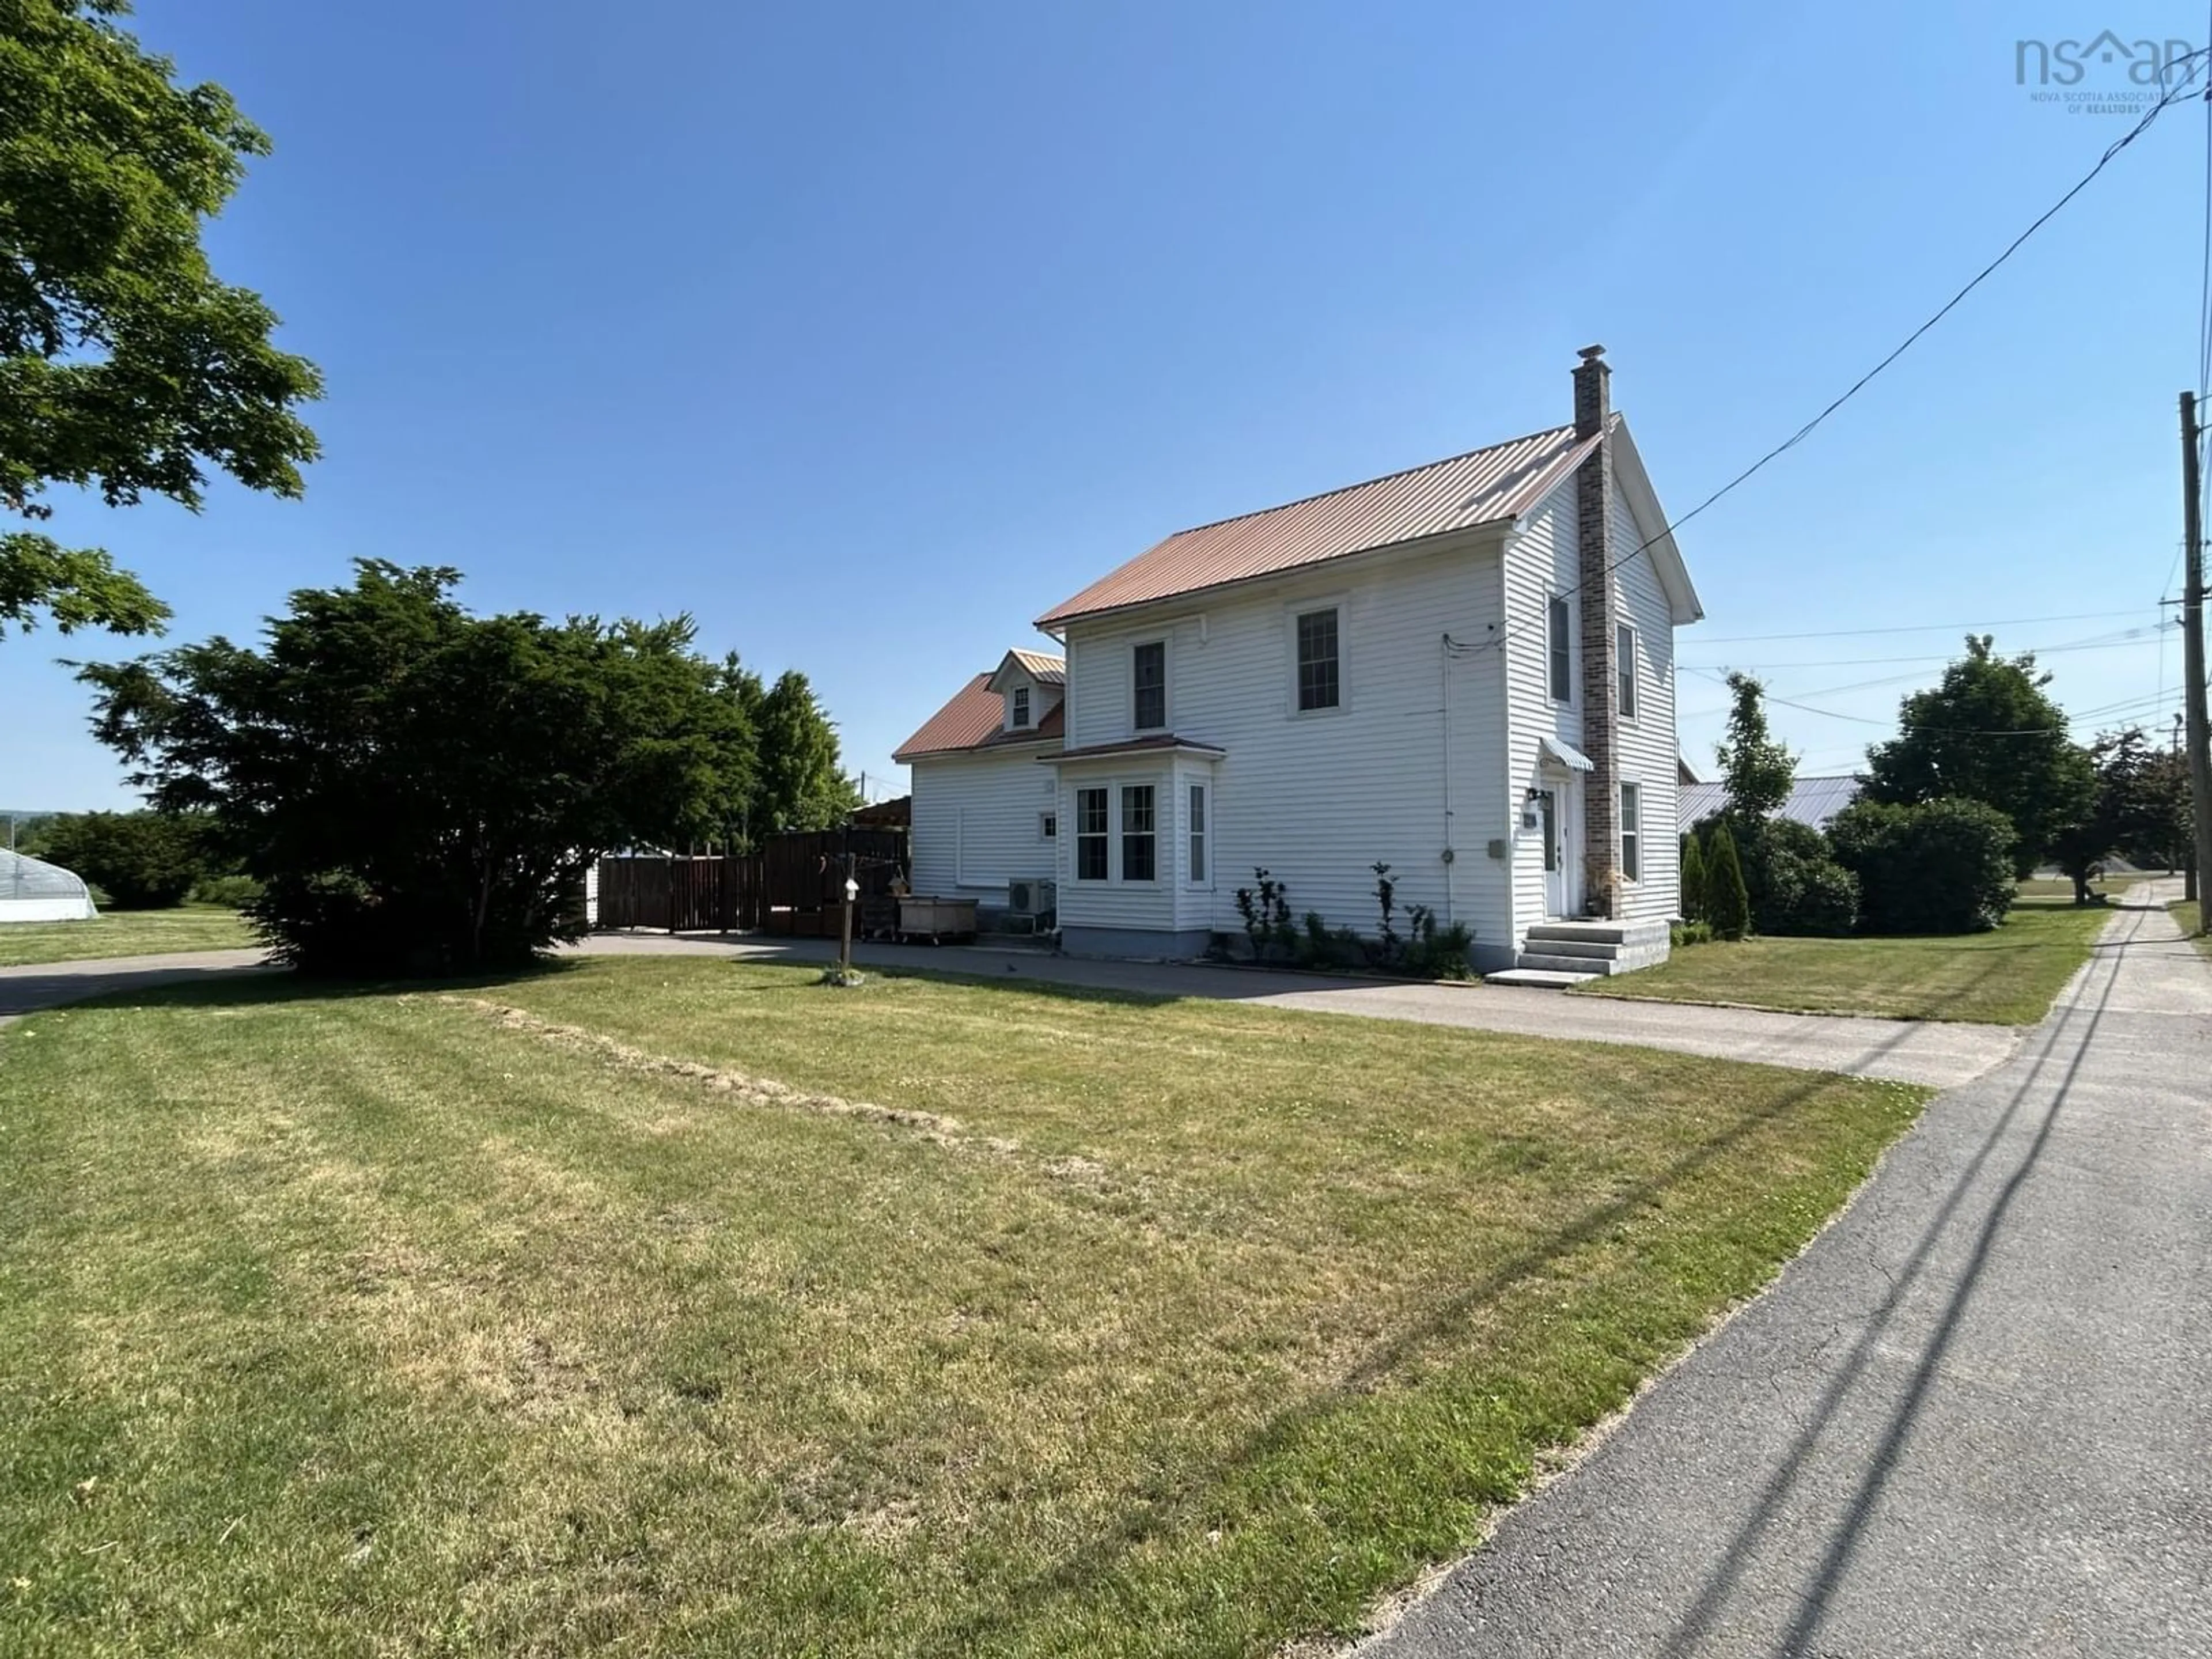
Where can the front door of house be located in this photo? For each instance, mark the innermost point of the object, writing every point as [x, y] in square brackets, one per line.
[1555, 865]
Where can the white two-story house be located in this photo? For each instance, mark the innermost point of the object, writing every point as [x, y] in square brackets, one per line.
[1465, 671]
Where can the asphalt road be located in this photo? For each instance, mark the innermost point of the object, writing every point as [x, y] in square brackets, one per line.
[1972, 1418]
[25, 990]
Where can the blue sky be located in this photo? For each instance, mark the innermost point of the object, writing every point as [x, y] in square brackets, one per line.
[864, 334]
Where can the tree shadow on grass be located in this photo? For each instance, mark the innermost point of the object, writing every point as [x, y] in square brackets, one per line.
[249, 985]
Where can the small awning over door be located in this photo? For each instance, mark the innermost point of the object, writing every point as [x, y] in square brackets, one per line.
[1566, 754]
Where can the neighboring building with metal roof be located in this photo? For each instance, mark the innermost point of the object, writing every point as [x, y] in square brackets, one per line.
[1465, 671]
[31, 889]
[981, 812]
[1812, 801]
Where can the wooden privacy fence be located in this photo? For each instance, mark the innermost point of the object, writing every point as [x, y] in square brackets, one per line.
[683, 895]
[804, 877]
[794, 885]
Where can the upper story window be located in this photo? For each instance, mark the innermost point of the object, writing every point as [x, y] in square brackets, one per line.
[1320, 678]
[1624, 645]
[1150, 677]
[1558, 623]
[1021, 703]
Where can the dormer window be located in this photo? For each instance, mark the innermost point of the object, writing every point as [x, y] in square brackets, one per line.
[1020, 699]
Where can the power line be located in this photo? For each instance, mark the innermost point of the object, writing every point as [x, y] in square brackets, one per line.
[1903, 346]
[2108, 712]
[2204, 290]
[2102, 642]
[1919, 627]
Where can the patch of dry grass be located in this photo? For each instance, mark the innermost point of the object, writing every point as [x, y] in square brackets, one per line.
[687, 1306]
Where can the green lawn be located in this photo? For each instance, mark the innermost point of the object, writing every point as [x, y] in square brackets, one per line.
[2060, 887]
[681, 1306]
[124, 933]
[2005, 977]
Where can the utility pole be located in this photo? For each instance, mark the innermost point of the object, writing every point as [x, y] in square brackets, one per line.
[2186, 854]
[2192, 655]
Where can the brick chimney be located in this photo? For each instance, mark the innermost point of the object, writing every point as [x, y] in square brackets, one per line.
[1597, 605]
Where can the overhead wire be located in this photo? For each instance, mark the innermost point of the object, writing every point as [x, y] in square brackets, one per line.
[2192, 60]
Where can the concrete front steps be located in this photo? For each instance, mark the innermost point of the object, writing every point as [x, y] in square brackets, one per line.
[1558, 954]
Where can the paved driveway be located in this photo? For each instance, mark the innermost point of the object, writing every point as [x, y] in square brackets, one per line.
[47, 984]
[1971, 1418]
[1941, 1054]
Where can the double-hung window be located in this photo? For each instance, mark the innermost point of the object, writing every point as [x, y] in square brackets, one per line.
[1198, 833]
[1559, 619]
[1138, 843]
[1320, 678]
[1149, 669]
[1090, 832]
[1631, 833]
[1021, 707]
[1623, 645]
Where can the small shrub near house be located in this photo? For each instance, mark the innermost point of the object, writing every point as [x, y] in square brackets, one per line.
[1438, 952]
[1942, 867]
[1794, 883]
[1728, 903]
[1693, 899]
[1422, 950]
[1265, 907]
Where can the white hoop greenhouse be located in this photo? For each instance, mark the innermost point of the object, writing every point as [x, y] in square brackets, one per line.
[32, 891]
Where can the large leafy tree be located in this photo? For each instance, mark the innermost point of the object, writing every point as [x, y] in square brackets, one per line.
[2154, 818]
[1758, 769]
[126, 365]
[419, 789]
[1990, 732]
[2139, 809]
[800, 785]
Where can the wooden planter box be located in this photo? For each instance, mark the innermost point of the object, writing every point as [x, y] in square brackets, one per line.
[936, 919]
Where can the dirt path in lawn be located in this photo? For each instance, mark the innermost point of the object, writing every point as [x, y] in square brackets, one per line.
[1941, 1055]
[1944, 1055]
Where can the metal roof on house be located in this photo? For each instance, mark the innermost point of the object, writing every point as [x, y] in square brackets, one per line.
[1151, 743]
[1044, 670]
[1484, 486]
[1812, 801]
[976, 718]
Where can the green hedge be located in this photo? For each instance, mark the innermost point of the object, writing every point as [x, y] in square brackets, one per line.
[1943, 866]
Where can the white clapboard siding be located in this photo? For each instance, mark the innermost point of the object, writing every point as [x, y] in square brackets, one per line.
[1649, 757]
[1545, 559]
[1540, 561]
[1316, 797]
[978, 821]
